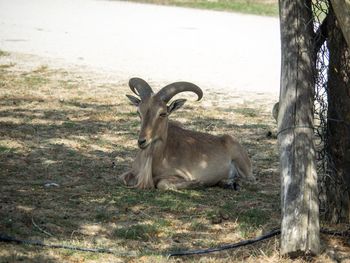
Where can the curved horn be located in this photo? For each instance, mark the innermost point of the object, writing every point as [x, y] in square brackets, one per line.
[171, 90]
[140, 87]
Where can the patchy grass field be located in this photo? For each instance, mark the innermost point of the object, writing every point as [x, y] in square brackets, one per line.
[256, 7]
[64, 138]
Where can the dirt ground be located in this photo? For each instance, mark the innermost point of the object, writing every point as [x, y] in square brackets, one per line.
[213, 49]
[66, 133]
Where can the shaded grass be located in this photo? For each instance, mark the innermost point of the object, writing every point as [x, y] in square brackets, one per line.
[5, 150]
[257, 7]
[137, 232]
[53, 130]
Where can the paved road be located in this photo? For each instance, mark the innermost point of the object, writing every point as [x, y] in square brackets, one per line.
[217, 50]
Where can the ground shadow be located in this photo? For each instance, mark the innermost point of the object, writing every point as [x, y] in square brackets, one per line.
[59, 164]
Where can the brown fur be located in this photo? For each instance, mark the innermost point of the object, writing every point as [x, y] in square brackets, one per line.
[172, 157]
[193, 157]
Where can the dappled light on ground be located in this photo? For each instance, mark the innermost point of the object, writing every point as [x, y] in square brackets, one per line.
[65, 139]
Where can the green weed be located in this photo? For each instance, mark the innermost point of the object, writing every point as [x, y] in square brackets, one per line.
[247, 112]
[252, 219]
[4, 53]
[142, 232]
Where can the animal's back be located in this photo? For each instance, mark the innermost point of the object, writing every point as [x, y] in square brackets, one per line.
[197, 142]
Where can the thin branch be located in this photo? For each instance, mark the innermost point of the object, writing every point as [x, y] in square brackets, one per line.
[345, 233]
[321, 35]
[40, 229]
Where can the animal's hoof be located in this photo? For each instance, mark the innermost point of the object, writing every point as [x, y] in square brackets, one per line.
[236, 187]
[232, 186]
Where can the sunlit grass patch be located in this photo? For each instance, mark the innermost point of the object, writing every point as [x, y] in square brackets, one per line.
[6, 66]
[10, 146]
[247, 112]
[262, 7]
[34, 80]
[41, 69]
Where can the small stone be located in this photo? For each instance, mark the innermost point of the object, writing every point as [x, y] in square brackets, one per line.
[216, 220]
[224, 216]
[51, 185]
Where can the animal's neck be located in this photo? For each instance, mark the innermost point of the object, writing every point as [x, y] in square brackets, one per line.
[158, 147]
[154, 155]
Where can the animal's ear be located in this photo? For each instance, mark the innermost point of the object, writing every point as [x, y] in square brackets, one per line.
[176, 104]
[135, 101]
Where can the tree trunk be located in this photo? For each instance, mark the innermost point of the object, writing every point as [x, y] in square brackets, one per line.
[299, 193]
[342, 11]
[338, 147]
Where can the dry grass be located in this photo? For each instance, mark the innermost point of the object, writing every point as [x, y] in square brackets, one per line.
[59, 127]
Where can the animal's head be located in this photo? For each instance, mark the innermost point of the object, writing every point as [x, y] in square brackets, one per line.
[154, 109]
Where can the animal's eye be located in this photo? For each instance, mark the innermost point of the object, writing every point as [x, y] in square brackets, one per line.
[163, 114]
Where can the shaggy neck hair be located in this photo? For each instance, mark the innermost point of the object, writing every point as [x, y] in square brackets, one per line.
[144, 176]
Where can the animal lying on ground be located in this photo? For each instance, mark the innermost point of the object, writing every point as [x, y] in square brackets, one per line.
[171, 157]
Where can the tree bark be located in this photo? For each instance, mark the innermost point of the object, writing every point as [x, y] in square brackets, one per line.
[342, 12]
[338, 147]
[299, 192]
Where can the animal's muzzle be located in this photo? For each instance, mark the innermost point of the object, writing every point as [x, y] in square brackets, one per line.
[142, 143]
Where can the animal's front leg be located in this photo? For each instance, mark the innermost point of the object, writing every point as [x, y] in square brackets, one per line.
[178, 184]
[129, 178]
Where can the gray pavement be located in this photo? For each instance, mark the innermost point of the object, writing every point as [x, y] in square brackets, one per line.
[216, 50]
